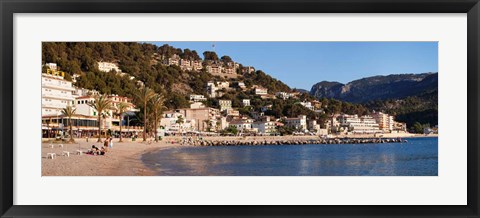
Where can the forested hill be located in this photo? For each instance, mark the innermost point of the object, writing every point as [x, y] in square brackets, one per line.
[142, 61]
[411, 97]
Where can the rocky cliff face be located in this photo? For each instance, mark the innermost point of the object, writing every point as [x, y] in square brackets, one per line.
[378, 87]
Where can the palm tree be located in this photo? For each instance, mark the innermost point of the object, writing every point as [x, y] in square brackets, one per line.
[144, 96]
[101, 104]
[121, 108]
[69, 111]
[157, 107]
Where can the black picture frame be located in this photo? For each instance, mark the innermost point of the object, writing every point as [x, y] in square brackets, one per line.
[10, 7]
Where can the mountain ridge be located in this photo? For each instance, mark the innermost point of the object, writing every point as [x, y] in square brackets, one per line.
[376, 87]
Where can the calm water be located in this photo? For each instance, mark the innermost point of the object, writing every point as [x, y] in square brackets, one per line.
[417, 157]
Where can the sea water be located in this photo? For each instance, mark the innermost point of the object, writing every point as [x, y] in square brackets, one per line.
[417, 157]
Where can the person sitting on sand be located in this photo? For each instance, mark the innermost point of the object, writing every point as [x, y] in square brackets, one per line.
[102, 151]
[94, 150]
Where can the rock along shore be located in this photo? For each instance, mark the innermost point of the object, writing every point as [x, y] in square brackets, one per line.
[294, 142]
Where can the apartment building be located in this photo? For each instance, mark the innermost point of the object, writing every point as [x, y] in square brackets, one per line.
[355, 124]
[225, 104]
[265, 126]
[56, 92]
[298, 123]
[385, 121]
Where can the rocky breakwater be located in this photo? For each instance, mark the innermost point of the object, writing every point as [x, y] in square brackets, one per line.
[227, 142]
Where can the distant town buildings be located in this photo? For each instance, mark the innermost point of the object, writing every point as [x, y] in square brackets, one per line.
[58, 93]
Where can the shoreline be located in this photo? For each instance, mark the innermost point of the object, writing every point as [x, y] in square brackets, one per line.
[124, 159]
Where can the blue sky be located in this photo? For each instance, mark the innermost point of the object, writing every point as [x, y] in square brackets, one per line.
[302, 64]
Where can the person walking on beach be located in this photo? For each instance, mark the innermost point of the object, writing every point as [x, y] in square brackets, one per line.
[110, 142]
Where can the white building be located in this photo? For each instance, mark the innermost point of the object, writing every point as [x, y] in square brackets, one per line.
[265, 126]
[242, 125]
[248, 69]
[361, 125]
[299, 123]
[241, 85]
[170, 121]
[186, 64]
[246, 102]
[232, 112]
[385, 121]
[52, 66]
[261, 91]
[282, 95]
[223, 85]
[197, 98]
[214, 69]
[214, 87]
[229, 70]
[108, 66]
[211, 90]
[225, 104]
[308, 105]
[111, 117]
[174, 60]
[56, 93]
[197, 105]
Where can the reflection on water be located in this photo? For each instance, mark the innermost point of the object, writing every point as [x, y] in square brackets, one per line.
[417, 157]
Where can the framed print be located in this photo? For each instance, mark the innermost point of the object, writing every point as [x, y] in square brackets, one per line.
[243, 108]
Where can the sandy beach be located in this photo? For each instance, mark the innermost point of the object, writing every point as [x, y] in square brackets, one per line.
[124, 159]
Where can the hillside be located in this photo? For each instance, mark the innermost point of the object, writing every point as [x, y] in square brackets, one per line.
[142, 61]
